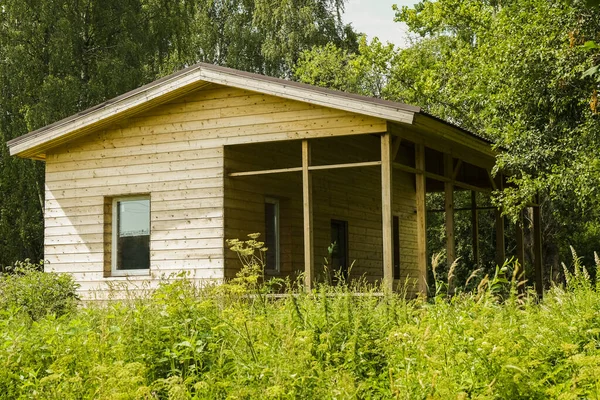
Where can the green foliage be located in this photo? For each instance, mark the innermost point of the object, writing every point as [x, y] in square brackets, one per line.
[521, 72]
[60, 57]
[363, 72]
[184, 341]
[26, 289]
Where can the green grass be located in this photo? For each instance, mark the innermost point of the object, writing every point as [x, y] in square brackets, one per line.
[234, 342]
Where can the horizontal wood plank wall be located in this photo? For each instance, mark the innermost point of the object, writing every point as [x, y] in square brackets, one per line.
[174, 152]
[352, 195]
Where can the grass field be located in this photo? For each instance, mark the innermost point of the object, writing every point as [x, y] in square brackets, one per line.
[234, 342]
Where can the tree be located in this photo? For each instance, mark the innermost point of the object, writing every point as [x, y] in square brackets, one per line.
[366, 71]
[62, 56]
[514, 72]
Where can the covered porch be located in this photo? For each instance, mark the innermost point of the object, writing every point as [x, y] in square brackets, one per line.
[365, 192]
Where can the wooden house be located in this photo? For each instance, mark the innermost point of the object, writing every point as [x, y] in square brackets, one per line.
[152, 182]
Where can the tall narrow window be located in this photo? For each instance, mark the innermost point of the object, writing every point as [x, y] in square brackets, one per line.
[396, 247]
[272, 234]
[339, 255]
[131, 235]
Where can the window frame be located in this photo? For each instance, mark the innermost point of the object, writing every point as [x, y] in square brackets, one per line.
[114, 237]
[276, 203]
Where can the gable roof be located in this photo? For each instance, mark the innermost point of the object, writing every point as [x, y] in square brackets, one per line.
[35, 143]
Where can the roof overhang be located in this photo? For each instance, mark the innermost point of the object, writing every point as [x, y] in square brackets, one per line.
[36, 143]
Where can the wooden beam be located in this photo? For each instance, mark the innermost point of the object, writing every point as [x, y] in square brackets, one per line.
[266, 172]
[475, 228]
[310, 168]
[347, 165]
[449, 208]
[386, 210]
[461, 209]
[500, 242]
[520, 243]
[420, 187]
[435, 141]
[309, 259]
[440, 178]
[537, 250]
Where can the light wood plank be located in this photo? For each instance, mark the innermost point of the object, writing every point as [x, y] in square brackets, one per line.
[266, 172]
[449, 210]
[307, 210]
[520, 243]
[344, 165]
[440, 178]
[311, 168]
[537, 249]
[421, 218]
[474, 229]
[386, 210]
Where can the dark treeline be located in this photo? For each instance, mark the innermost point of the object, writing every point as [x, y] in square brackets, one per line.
[62, 56]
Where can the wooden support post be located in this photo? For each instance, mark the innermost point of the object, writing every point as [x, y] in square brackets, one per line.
[537, 249]
[420, 186]
[520, 244]
[475, 228]
[386, 210]
[449, 209]
[500, 244]
[309, 259]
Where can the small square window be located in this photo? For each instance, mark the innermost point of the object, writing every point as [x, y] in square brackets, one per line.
[130, 236]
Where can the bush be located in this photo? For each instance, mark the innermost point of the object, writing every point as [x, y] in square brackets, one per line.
[26, 289]
[236, 341]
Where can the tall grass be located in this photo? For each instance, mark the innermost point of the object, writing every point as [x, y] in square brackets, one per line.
[235, 341]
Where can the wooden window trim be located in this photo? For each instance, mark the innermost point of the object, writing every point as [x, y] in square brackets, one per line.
[114, 272]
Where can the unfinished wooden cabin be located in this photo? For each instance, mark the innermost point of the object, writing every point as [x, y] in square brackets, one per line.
[153, 182]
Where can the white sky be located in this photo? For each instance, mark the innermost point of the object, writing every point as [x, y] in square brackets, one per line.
[376, 18]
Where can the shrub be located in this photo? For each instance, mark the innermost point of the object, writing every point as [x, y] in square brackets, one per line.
[238, 342]
[27, 289]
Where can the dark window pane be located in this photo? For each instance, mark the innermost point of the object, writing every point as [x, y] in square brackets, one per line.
[339, 255]
[133, 234]
[396, 247]
[271, 235]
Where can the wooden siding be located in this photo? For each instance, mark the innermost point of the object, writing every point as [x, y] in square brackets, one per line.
[174, 153]
[352, 195]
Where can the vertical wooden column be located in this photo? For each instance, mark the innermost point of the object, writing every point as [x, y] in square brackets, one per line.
[475, 228]
[420, 186]
[520, 243]
[309, 259]
[386, 210]
[537, 248]
[500, 244]
[449, 209]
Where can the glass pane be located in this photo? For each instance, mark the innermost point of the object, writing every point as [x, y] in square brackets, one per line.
[271, 235]
[133, 235]
[396, 223]
[339, 236]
